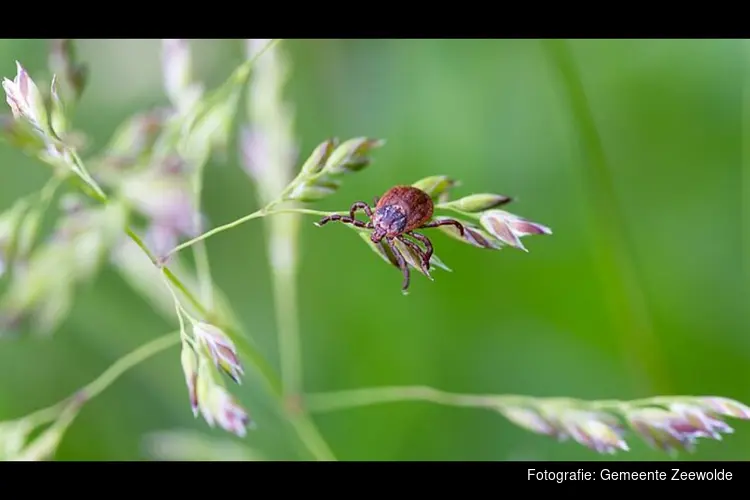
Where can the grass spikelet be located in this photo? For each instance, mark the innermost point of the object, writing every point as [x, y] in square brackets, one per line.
[322, 174]
[670, 424]
[412, 259]
[472, 235]
[437, 186]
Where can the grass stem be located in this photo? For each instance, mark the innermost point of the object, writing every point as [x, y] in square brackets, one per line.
[247, 218]
[122, 365]
[622, 287]
[324, 402]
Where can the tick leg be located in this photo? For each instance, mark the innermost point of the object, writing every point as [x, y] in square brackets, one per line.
[360, 205]
[446, 222]
[401, 264]
[427, 243]
[423, 259]
[344, 219]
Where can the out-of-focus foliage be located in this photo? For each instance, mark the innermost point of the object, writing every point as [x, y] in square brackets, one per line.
[545, 323]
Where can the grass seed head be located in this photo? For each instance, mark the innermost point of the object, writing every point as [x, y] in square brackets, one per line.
[322, 173]
[317, 160]
[725, 407]
[220, 348]
[26, 101]
[669, 424]
[472, 235]
[217, 406]
[189, 361]
[510, 228]
[438, 187]
[351, 156]
[476, 203]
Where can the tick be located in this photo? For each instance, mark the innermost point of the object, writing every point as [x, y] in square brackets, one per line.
[400, 211]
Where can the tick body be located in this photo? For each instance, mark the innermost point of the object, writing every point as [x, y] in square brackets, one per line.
[400, 211]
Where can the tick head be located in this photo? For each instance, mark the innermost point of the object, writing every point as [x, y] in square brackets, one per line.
[389, 220]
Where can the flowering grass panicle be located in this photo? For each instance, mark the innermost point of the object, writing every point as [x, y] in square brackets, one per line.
[26, 101]
[11, 225]
[189, 360]
[36, 436]
[219, 348]
[670, 424]
[177, 68]
[485, 224]
[501, 228]
[324, 171]
[136, 205]
[216, 404]
[667, 423]
[45, 274]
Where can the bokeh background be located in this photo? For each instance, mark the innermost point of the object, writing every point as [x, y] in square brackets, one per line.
[640, 291]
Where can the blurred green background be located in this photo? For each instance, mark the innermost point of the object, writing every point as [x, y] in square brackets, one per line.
[557, 321]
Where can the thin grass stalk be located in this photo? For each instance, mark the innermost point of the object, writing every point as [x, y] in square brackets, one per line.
[61, 415]
[621, 285]
[269, 157]
[745, 168]
[269, 153]
[202, 264]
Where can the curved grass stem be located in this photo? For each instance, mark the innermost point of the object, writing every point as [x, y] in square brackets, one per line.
[339, 400]
[122, 365]
[624, 290]
[105, 380]
[285, 303]
[272, 122]
[202, 263]
[247, 218]
[287, 320]
[323, 402]
[306, 432]
[312, 439]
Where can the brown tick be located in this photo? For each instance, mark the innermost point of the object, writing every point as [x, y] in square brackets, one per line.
[400, 211]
